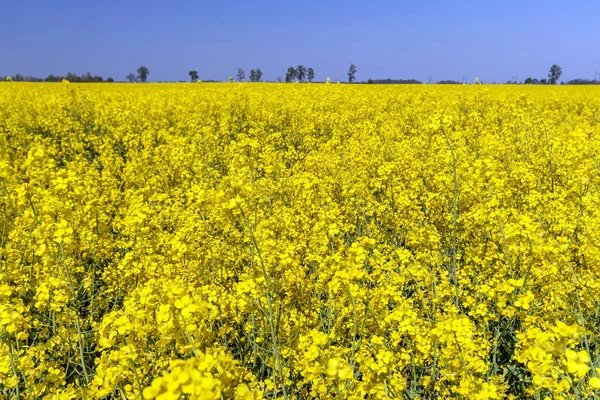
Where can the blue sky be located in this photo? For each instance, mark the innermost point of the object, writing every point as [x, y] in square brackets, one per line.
[444, 39]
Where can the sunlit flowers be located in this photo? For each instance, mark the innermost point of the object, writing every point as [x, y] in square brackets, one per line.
[218, 241]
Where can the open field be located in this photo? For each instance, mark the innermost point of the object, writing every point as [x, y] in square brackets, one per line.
[297, 241]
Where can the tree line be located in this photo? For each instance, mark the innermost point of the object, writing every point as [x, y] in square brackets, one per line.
[255, 75]
[299, 73]
[554, 76]
[293, 74]
[71, 77]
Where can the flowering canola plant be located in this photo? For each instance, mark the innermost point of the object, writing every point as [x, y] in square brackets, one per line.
[249, 241]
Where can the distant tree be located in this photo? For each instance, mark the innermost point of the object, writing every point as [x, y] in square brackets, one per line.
[310, 74]
[555, 73]
[290, 74]
[586, 81]
[255, 75]
[29, 78]
[352, 73]
[143, 73]
[301, 72]
[193, 75]
[582, 82]
[131, 77]
[19, 78]
[543, 81]
[535, 81]
[71, 77]
[370, 81]
[241, 75]
[279, 79]
[528, 81]
[389, 81]
[110, 80]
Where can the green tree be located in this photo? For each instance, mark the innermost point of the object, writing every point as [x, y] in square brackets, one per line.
[193, 75]
[352, 73]
[131, 77]
[255, 75]
[528, 81]
[311, 74]
[555, 73]
[301, 72]
[290, 75]
[241, 75]
[71, 77]
[143, 73]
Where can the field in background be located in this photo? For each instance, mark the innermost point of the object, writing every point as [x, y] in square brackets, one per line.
[299, 241]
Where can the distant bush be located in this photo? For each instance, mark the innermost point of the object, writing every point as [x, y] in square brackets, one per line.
[394, 81]
[583, 82]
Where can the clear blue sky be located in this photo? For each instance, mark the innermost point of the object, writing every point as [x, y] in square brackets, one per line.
[444, 39]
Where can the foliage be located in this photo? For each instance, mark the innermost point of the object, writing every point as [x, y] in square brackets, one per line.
[291, 74]
[352, 73]
[241, 75]
[583, 82]
[72, 77]
[243, 241]
[395, 81]
[131, 77]
[554, 74]
[310, 74]
[301, 73]
[142, 74]
[193, 75]
[255, 75]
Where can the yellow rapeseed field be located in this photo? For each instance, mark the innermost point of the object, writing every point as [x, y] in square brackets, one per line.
[218, 241]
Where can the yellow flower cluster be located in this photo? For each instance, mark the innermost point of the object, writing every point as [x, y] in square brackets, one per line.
[207, 377]
[213, 241]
